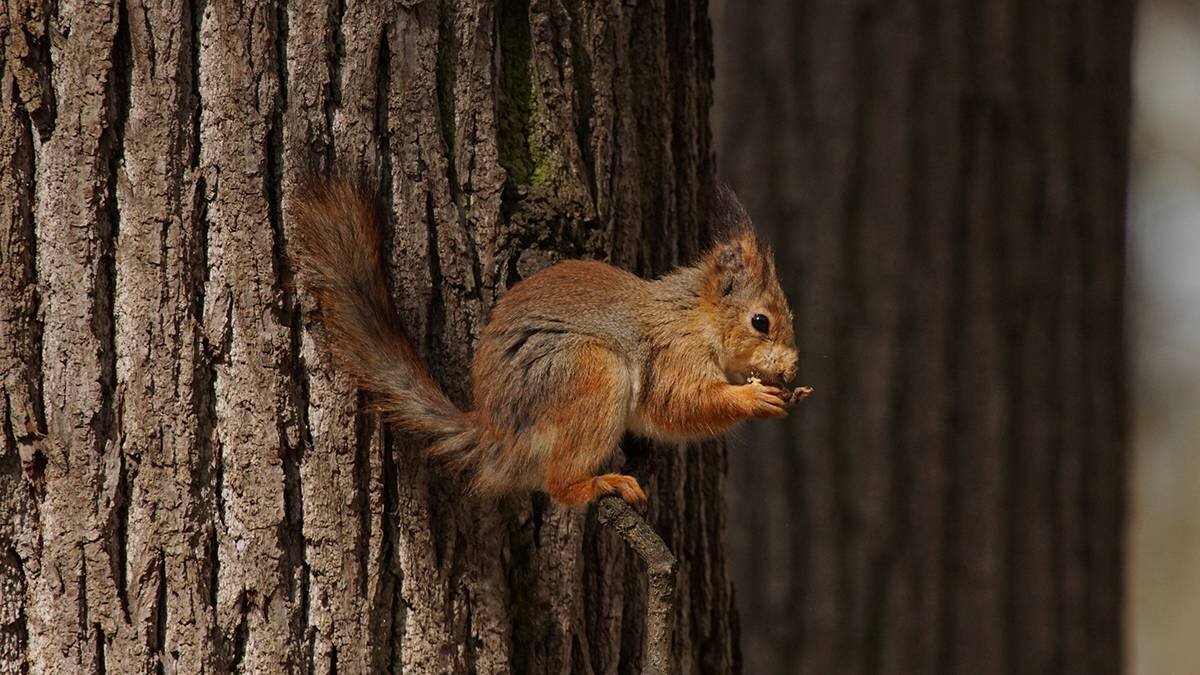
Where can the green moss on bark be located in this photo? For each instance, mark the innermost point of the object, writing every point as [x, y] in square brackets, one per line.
[514, 107]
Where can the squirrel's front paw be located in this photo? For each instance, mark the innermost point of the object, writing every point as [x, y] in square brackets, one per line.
[764, 401]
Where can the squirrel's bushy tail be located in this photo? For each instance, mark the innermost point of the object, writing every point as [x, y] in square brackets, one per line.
[340, 240]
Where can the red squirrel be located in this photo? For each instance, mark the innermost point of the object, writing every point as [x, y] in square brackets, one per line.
[572, 357]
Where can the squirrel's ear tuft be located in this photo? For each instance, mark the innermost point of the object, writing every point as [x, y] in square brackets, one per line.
[737, 258]
[727, 215]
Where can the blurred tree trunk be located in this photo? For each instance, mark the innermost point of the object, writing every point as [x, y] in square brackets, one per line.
[945, 183]
[185, 484]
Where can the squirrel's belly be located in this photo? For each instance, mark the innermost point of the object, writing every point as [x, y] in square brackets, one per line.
[635, 423]
[640, 424]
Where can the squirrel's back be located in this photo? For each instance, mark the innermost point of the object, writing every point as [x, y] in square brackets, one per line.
[583, 297]
[561, 307]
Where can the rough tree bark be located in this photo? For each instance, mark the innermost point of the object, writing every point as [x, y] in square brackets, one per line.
[945, 182]
[185, 483]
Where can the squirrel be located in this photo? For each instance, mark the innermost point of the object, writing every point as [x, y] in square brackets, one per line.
[572, 357]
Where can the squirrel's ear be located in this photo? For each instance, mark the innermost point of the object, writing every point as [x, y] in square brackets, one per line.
[730, 256]
[729, 263]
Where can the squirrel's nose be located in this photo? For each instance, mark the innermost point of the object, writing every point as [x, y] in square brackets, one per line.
[789, 374]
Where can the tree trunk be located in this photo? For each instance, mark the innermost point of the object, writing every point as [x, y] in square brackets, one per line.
[185, 483]
[945, 184]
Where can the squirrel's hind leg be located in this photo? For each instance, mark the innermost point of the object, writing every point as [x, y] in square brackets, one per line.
[588, 421]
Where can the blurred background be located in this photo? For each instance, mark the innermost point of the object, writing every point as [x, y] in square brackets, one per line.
[988, 217]
[1164, 327]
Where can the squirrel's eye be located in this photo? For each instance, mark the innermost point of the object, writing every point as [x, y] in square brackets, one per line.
[761, 323]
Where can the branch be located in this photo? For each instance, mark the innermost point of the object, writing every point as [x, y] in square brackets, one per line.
[660, 572]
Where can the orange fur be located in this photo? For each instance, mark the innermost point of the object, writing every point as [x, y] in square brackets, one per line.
[339, 242]
[571, 359]
[588, 429]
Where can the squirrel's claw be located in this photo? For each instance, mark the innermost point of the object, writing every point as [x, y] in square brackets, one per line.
[624, 486]
[629, 489]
